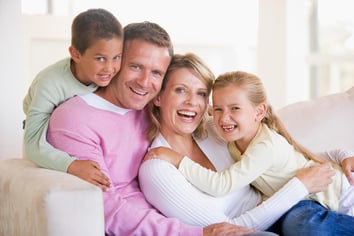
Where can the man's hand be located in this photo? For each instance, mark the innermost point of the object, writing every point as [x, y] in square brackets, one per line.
[348, 167]
[226, 229]
[91, 172]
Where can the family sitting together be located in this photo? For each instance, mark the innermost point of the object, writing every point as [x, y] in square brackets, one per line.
[127, 114]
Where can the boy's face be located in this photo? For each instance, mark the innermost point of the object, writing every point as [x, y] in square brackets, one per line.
[143, 68]
[99, 63]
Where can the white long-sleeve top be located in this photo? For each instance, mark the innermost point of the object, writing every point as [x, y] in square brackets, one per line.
[168, 191]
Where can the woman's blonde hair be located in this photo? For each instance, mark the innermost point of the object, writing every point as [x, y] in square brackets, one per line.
[257, 95]
[195, 64]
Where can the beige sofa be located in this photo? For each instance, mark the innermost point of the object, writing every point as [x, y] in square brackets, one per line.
[35, 201]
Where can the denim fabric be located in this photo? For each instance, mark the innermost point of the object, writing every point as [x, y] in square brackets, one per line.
[312, 219]
[262, 233]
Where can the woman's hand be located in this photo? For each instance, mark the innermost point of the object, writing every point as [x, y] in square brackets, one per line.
[166, 154]
[348, 167]
[226, 229]
[316, 178]
[91, 172]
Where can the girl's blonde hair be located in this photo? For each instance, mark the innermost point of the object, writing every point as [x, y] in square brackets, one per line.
[195, 64]
[257, 95]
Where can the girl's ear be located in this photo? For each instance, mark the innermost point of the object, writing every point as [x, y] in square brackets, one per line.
[261, 110]
[157, 100]
[74, 53]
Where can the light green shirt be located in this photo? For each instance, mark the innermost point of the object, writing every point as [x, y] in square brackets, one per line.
[51, 87]
[268, 163]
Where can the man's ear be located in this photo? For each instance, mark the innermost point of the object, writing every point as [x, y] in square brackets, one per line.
[157, 100]
[74, 53]
[261, 111]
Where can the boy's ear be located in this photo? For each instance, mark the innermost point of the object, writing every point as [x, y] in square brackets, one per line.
[157, 100]
[261, 111]
[74, 53]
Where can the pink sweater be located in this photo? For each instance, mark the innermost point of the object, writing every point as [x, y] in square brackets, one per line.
[91, 128]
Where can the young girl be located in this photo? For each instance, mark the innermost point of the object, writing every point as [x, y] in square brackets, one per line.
[265, 154]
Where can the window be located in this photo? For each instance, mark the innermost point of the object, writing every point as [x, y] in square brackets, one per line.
[331, 57]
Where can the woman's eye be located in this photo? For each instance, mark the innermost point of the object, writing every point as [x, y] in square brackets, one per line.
[203, 94]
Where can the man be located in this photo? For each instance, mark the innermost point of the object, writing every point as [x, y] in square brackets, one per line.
[108, 127]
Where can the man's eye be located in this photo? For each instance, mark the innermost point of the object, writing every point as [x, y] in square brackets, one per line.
[180, 90]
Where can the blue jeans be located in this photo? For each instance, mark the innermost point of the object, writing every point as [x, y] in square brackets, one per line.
[312, 219]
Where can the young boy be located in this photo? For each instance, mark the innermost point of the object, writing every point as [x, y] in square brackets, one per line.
[96, 49]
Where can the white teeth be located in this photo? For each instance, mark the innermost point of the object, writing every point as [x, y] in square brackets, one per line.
[105, 76]
[228, 127]
[142, 93]
[187, 113]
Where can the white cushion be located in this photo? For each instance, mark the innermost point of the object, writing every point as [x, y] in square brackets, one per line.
[37, 201]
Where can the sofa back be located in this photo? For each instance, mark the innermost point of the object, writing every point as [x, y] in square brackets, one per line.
[322, 124]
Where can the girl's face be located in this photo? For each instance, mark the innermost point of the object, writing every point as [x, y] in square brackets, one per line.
[182, 103]
[235, 117]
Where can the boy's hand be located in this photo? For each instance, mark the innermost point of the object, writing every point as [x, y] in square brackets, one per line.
[348, 167]
[164, 153]
[91, 172]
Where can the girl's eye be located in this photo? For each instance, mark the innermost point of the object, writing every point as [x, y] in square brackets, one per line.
[216, 109]
[117, 58]
[234, 108]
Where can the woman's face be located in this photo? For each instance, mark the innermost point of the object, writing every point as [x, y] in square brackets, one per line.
[182, 103]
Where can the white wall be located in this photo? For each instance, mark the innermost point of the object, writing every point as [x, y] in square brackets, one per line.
[12, 79]
[282, 50]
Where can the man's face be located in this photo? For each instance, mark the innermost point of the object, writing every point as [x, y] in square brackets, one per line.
[139, 80]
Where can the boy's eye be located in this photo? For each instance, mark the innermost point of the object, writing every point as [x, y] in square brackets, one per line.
[234, 108]
[216, 109]
[101, 59]
[135, 67]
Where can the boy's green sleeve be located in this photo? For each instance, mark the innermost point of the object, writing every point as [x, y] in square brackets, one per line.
[38, 111]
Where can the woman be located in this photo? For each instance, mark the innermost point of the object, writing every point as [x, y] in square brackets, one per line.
[179, 116]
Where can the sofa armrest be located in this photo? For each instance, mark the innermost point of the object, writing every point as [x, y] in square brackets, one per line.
[38, 201]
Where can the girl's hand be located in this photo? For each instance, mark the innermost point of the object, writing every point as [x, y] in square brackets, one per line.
[166, 154]
[348, 167]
